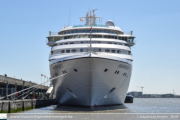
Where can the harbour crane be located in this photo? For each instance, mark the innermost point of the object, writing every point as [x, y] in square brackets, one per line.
[141, 88]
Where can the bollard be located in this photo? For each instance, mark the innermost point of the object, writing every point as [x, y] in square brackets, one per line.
[9, 107]
[7, 88]
[38, 93]
[23, 105]
[31, 104]
[2, 106]
[23, 89]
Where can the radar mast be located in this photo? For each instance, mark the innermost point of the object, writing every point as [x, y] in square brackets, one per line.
[91, 19]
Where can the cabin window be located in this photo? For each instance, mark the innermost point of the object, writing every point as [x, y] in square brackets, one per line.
[76, 36]
[62, 51]
[130, 39]
[93, 36]
[109, 42]
[87, 31]
[125, 38]
[73, 50]
[61, 44]
[107, 50]
[65, 43]
[85, 36]
[99, 50]
[109, 36]
[50, 39]
[113, 51]
[118, 51]
[81, 36]
[81, 50]
[95, 30]
[71, 43]
[115, 43]
[68, 32]
[56, 38]
[67, 51]
[81, 42]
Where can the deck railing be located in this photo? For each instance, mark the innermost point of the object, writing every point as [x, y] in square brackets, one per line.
[89, 26]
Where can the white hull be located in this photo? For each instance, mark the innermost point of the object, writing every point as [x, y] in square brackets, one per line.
[91, 85]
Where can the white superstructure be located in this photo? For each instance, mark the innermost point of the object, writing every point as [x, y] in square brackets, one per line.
[97, 64]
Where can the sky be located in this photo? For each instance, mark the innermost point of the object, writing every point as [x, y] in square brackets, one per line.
[25, 24]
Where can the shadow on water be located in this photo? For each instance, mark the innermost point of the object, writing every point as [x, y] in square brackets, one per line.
[88, 109]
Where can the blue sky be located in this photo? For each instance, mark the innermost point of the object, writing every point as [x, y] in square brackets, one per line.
[25, 24]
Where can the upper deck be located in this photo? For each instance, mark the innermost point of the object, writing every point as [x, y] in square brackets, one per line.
[86, 28]
[105, 40]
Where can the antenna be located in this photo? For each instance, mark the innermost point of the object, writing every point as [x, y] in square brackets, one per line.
[90, 19]
[70, 14]
[69, 17]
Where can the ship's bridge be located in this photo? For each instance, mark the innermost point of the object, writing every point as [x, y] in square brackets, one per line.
[86, 28]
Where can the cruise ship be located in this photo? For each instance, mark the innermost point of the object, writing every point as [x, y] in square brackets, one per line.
[94, 63]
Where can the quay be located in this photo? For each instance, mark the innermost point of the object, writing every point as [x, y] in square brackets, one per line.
[19, 95]
[7, 106]
[10, 85]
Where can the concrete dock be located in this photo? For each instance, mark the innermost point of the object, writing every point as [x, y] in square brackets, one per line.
[10, 85]
[7, 106]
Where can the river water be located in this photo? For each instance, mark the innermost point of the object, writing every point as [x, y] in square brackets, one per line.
[159, 108]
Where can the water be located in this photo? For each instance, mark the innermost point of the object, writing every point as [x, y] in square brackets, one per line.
[141, 106]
